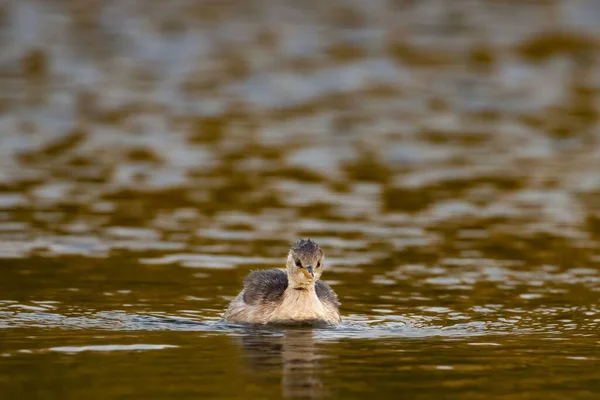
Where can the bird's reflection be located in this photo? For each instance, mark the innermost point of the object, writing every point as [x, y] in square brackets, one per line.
[291, 352]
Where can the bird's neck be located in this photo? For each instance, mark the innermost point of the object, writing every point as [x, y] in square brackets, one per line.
[300, 303]
[304, 288]
[308, 286]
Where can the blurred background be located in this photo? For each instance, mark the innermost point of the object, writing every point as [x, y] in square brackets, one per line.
[444, 154]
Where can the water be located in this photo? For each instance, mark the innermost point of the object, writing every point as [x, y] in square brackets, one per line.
[444, 155]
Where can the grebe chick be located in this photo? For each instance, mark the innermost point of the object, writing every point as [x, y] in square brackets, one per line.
[294, 296]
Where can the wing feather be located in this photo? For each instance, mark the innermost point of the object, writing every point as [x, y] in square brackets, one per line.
[326, 294]
[264, 286]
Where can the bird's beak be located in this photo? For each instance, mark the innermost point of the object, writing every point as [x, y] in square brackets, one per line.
[308, 272]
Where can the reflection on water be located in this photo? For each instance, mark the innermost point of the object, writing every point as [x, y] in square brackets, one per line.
[445, 156]
[292, 353]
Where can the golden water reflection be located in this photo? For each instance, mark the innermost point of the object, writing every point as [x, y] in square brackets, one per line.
[294, 352]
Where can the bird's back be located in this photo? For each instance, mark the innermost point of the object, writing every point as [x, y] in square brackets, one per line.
[264, 286]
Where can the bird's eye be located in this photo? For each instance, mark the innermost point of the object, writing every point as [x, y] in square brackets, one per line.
[298, 263]
[319, 264]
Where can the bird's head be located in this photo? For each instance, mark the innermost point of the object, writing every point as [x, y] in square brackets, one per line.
[305, 263]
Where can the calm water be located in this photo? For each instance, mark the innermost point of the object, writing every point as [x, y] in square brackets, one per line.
[445, 155]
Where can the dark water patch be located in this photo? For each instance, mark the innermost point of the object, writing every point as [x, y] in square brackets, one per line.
[412, 199]
[406, 199]
[55, 148]
[208, 129]
[367, 167]
[482, 58]
[35, 65]
[144, 155]
[406, 53]
[465, 138]
[545, 45]
[296, 173]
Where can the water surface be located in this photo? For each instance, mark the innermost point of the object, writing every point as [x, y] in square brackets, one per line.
[444, 155]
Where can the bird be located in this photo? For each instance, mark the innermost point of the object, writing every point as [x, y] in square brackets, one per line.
[296, 296]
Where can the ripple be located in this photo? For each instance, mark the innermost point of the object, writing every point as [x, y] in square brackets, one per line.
[111, 347]
[208, 260]
[484, 344]
[354, 327]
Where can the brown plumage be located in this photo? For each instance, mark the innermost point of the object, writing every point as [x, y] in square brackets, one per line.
[297, 295]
